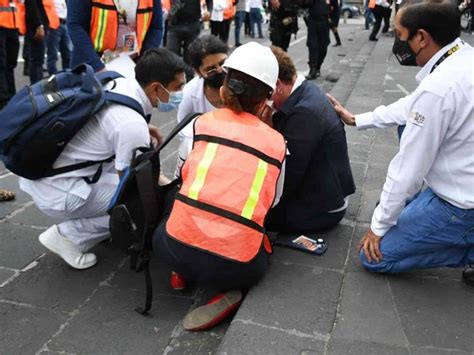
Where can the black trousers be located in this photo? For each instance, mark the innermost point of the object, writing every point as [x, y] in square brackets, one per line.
[202, 269]
[318, 40]
[280, 37]
[380, 13]
[9, 47]
[221, 29]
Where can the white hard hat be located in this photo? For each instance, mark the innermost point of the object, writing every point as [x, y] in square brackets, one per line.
[256, 61]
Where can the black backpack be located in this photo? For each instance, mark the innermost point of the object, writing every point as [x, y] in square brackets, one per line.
[137, 208]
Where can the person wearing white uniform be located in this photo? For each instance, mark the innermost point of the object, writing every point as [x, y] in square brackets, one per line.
[206, 54]
[114, 130]
[435, 227]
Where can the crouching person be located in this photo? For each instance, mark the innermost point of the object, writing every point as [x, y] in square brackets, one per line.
[214, 235]
[115, 130]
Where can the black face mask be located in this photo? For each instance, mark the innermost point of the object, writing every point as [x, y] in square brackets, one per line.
[403, 52]
[215, 81]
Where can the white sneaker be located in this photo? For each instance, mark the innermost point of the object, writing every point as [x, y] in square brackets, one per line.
[58, 244]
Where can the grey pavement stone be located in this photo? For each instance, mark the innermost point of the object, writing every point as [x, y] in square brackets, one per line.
[358, 152]
[354, 205]
[55, 285]
[248, 338]
[295, 298]
[19, 245]
[353, 263]
[435, 351]
[362, 137]
[105, 327]
[376, 175]
[25, 329]
[338, 240]
[383, 154]
[351, 347]
[32, 216]
[358, 172]
[367, 207]
[386, 136]
[367, 312]
[5, 274]
[435, 312]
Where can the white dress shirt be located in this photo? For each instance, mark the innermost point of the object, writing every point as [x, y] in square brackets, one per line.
[437, 145]
[114, 130]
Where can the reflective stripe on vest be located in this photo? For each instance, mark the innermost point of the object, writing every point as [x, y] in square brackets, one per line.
[12, 17]
[105, 23]
[229, 184]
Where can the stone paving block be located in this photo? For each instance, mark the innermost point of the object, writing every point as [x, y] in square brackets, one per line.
[386, 136]
[355, 136]
[338, 240]
[391, 97]
[383, 154]
[5, 274]
[435, 312]
[54, 284]
[367, 312]
[353, 263]
[358, 172]
[358, 152]
[354, 204]
[19, 245]
[376, 176]
[346, 347]
[251, 339]
[434, 351]
[24, 330]
[105, 327]
[293, 297]
[11, 183]
[369, 199]
[32, 216]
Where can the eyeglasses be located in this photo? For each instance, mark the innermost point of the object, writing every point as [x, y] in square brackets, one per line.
[210, 71]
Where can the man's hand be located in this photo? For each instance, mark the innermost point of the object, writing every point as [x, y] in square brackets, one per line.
[155, 134]
[370, 244]
[39, 34]
[275, 4]
[265, 115]
[347, 117]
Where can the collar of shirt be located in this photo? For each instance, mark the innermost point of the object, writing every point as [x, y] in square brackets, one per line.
[299, 80]
[425, 71]
[140, 95]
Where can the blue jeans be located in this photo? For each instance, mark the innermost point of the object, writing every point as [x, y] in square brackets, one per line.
[255, 18]
[238, 20]
[58, 41]
[430, 232]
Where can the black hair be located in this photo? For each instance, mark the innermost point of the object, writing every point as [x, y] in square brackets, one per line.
[204, 46]
[159, 65]
[440, 18]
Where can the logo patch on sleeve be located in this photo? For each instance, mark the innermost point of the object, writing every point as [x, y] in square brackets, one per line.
[417, 119]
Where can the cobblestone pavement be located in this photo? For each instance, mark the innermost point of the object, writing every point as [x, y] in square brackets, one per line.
[305, 304]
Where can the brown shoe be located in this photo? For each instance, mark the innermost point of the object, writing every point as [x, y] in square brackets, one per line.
[214, 312]
[6, 195]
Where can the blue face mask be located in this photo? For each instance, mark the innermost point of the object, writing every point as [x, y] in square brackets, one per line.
[175, 98]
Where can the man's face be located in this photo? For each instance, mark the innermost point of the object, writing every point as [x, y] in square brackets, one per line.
[278, 97]
[212, 64]
[163, 92]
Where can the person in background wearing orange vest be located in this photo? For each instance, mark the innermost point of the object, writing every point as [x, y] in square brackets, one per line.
[117, 26]
[214, 235]
[229, 14]
[381, 10]
[12, 20]
[40, 17]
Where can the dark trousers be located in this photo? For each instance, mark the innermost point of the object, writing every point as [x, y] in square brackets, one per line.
[202, 269]
[280, 37]
[380, 13]
[180, 36]
[58, 41]
[318, 40]
[37, 50]
[221, 29]
[9, 47]
[238, 21]
[255, 18]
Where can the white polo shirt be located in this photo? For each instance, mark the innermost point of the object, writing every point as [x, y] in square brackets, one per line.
[115, 130]
[437, 145]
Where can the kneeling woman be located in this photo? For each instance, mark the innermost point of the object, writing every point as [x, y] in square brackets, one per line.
[214, 234]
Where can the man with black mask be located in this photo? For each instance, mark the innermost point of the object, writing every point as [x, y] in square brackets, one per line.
[432, 227]
[283, 22]
[206, 55]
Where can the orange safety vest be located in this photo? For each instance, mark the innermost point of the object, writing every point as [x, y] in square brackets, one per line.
[105, 23]
[372, 4]
[229, 184]
[51, 14]
[12, 17]
[166, 5]
[229, 12]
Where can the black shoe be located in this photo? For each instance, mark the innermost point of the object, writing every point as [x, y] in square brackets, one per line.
[26, 70]
[336, 45]
[373, 39]
[313, 74]
[238, 45]
[468, 275]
